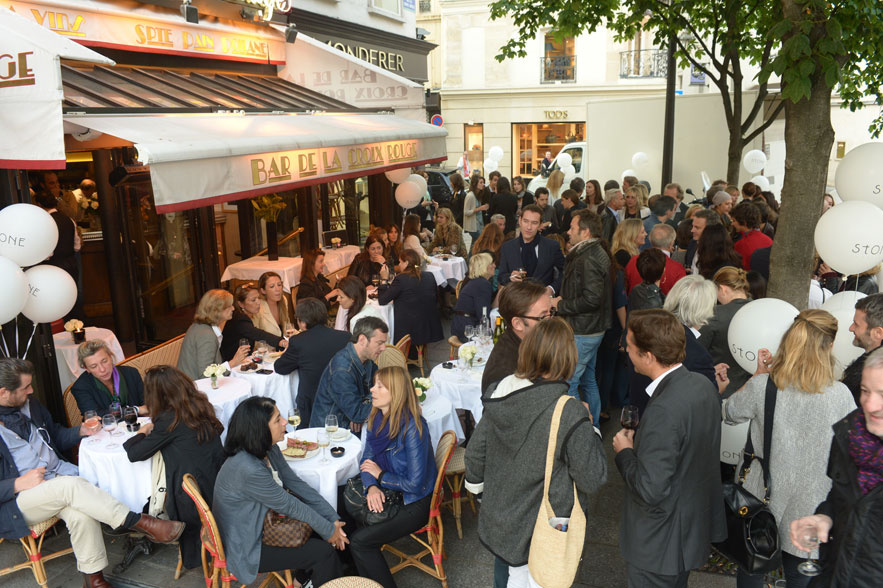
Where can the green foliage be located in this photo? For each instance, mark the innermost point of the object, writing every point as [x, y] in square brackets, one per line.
[268, 207]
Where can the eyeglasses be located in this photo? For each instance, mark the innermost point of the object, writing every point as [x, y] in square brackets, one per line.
[552, 313]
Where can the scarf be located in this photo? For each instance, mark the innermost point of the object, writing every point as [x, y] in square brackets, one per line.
[529, 255]
[120, 392]
[866, 450]
[15, 420]
[379, 440]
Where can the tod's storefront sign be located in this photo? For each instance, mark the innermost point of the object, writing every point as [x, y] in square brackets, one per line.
[151, 32]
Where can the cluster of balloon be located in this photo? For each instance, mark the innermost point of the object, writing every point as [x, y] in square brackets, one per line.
[411, 187]
[754, 161]
[42, 293]
[494, 156]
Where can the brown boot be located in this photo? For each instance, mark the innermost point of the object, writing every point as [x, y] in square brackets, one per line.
[95, 580]
[157, 530]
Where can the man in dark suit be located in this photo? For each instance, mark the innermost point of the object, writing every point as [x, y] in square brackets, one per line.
[675, 191]
[661, 211]
[613, 203]
[673, 507]
[310, 352]
[539, 257]
[701, 219]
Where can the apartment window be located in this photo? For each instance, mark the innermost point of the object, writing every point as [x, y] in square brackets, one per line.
[473, 145]
[390, 6]
[559, 60]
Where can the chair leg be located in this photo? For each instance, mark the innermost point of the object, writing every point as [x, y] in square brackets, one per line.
[32, 550]
[420, 360]
[455, 502]
[179, 568]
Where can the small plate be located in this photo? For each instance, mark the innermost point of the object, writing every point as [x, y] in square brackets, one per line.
[284, 444]
[341, 435]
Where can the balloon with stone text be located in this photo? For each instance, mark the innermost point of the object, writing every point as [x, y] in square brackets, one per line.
[15, 290]
[842, 306]
[397, 176]
[420, 181]
[754, 161]
[52, 293]
[759, 324]
[408, 195]
[28, 234]
[849, 237]
[860, 174]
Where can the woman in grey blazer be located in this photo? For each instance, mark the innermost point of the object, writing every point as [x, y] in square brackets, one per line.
[255, 478]
[201, 346]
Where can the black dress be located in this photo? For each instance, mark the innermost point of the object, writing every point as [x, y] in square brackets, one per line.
[416, 308]
[182, 454]
[318, 288]
[364, 269]
[476, 294]
[239, 327]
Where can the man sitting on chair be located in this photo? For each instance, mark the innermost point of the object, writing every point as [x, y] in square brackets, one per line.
[36, 483]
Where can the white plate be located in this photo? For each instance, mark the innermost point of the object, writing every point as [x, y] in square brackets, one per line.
[341, 435]
[284, 445]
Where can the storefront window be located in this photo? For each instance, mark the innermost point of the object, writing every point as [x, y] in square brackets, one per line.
[559, 60]
[473, 145]
[531, 142]
[346, 209]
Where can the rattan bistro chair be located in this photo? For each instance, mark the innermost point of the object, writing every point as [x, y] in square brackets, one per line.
[351, 582]
[33, 548]
[455, 477]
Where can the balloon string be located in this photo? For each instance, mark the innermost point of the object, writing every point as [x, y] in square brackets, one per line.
[31, 338]
[3, 337]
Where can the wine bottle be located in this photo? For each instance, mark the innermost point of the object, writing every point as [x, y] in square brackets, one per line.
[498, 330]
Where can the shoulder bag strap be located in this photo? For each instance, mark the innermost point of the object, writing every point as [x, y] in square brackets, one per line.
[553, 442]
[769, 410]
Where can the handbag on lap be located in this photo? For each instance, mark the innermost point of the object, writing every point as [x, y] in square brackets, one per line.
[283, 531]
[356, 503]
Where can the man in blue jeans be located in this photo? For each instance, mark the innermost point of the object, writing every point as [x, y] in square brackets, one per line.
[586, 302]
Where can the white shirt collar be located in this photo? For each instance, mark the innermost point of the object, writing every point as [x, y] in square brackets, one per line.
[217, 332]
[696, 333]
[652, 387]
[667, 253]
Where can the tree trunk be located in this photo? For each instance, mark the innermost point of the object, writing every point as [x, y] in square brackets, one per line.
[734, 155]
[808, 140]
[272, 241]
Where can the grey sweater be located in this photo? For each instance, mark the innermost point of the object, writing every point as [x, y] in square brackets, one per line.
[801, 439]
[244, 490]
[507, 453]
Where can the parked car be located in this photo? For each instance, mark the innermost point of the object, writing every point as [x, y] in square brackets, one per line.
[439, 184]
[576, 152]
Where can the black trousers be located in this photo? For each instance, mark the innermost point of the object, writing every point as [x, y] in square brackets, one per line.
[366, 542]
[639, 578]
[316, 555]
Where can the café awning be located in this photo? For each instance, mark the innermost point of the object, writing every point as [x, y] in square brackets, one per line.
[203, 159]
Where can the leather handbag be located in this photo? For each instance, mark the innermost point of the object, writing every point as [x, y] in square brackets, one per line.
[283, 531]
[356, 503]
[752, 533]
[555, 554]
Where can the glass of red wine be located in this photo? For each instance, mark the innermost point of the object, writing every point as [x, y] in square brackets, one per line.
[116, 410]
[130, 415]
[629, 417]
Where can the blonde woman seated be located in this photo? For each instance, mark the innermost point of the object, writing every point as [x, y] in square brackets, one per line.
[448, 235]
[201, 346]
[276, 309]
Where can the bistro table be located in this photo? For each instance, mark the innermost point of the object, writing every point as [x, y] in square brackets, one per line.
[287, 267]
[326, 477]
[282, 389]
[384, 310]
[66, 352]
[446, 268]
[226, 397]
[461, 385]
[109, 468]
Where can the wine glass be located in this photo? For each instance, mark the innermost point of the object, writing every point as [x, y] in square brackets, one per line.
[375, 280]
[116, 410]
[469, 331]
[324, 441]
[454, 249]
[629, 417]
[331, 424]
[294, 418]
[130, 415]
[93, 423]
[260, 348]
[809, 540]
[289, 329]
[109, 423]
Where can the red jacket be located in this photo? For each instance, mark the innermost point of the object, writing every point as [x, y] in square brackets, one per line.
[751, 241]
[672, 273]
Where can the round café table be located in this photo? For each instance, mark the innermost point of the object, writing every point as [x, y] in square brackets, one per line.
[461, 385]
[282, 389]
[109, 468]
[226, 397]
[326, 477]
[66, 352]
[444, 269]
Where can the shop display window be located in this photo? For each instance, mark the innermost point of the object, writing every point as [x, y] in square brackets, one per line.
[473, 145]
[531, 141]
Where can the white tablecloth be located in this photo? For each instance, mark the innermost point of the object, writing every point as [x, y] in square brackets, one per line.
[282, 389]
[326, 477]
[66, 352]
[441, 416]
[462, 389]
[110, 469]
[452, 267]
[383, 310]
[287, 267]
[230, 392]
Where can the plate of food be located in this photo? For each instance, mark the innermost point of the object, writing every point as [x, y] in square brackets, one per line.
[274, 354]
[248, 366]
[297, 449]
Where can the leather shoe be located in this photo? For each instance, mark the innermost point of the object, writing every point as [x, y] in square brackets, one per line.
[95, 580]
[158, 530]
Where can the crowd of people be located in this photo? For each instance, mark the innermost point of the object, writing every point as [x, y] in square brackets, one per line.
[610, 297]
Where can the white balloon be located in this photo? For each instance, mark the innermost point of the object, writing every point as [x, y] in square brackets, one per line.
[28, 235]
[849, 237]
[397, 176]
[640, 159]
[860, 174]
[15, 290]
[564, 160]
[490, 165]
[568, 170]
[420, 181]
[761, 182]
[408, 195]
[628, 172]
[754, 161]
[842, 306]
[495, 153]
[759, 324]
[460, 163]
[52, 293]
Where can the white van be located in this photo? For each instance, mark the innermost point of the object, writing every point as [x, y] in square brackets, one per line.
[577, 151]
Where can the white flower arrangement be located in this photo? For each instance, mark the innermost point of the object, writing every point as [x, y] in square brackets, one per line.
[213, 371]
[421, 385]
[468, 352]
[73, 325]
[335, 241]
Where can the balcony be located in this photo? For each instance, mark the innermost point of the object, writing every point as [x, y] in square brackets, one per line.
[646, 63]
[558, 69]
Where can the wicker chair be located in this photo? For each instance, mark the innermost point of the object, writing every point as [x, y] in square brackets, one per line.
[163, 354]
[71, 409]
[391, 356]
[434, 530]
[211, 543]
[455, 476]
[404, 345]
[33, 547]
[351, 582]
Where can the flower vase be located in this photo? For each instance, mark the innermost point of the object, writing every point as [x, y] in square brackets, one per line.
[79, 336]
[469, 362]
[272, 241]
[214, 382]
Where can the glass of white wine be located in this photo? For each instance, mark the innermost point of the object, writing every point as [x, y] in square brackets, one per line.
[324, 441]
[289, 329]
[93, 423]
[109, 422]
[294, 418]
[331, 424]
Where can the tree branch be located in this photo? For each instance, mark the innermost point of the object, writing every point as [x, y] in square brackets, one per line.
[766, 124]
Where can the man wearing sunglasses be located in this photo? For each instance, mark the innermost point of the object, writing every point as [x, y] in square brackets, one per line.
[36, 483]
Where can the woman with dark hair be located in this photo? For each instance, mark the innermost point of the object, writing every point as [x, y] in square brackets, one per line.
[254, 479]
[415, 294]
[473, 220]
[185, 430]
[519, 188]
[504, 202]
[391, 257]
[715, 250]
[241, 326]
[458, 196]
[491, 239]
[312, 283]
[411, 234]
[276, 308]
[594, 196]
[370, 261]
[352, 296]
[750, 190]
[394, 239]
[397, 456]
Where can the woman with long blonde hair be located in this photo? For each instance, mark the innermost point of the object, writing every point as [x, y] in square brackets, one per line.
[448, 235]
[397, 467]
[629, 236]
[555, 185]
[808, 403]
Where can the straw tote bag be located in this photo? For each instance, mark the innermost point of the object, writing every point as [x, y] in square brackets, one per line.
[554, 555]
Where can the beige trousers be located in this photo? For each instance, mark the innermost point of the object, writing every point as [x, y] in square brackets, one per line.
[81, 506]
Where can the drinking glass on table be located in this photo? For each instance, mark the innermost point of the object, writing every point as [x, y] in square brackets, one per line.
[116, 410]
[260, 348]
[375, 280]
[130, 415]
[809, 540]
[93, 423]
[324, 441]
[331, 424]
[289, 329]
[629, 417]
[469, 331]
[294, 417]
[454, 249]
[110, 424]
[243, 342]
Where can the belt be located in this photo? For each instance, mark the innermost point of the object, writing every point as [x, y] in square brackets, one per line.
[466, 314]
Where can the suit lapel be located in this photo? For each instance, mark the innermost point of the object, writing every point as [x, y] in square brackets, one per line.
[664, 384]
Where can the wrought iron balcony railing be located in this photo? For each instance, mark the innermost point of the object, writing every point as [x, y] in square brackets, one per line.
[646, 63]
[560, 68]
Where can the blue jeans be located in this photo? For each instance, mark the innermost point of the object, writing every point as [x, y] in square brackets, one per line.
[584, 374]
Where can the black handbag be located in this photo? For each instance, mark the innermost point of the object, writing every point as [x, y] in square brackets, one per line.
[752, 533]
[356, 504]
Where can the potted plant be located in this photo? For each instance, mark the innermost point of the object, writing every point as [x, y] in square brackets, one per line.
[75, 328]
[267, 208]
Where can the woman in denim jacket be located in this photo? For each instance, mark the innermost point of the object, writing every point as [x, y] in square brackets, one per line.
[397, 456]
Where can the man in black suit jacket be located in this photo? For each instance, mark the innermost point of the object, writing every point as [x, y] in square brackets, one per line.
[541, 258]
[310, 352]
[613, 203]
[674, 507]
